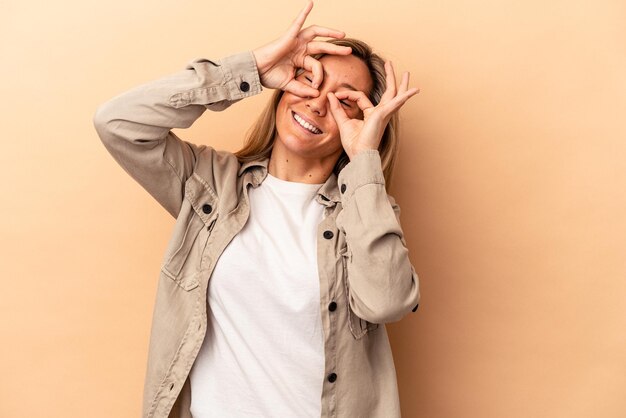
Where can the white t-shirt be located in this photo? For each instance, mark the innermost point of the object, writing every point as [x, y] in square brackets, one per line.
[263, 353]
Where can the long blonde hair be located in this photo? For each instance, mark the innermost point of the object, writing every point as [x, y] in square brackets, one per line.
[260, 138]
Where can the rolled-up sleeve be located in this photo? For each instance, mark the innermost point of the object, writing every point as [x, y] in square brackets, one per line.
[383, 284]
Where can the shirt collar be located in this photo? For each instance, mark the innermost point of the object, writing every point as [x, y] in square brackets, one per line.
[327, 195]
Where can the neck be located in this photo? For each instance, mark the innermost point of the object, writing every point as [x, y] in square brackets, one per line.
[289, 166]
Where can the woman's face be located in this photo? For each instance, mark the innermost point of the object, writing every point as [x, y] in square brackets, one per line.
[319, 137]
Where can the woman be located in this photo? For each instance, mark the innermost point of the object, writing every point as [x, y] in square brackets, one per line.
[286, 256]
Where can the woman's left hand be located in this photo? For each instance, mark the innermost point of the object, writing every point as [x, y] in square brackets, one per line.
[360, 134]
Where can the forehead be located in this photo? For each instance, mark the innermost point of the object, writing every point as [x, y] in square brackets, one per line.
[346, 69]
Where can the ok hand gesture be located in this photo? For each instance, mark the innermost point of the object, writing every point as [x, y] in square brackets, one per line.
[357, 134]
[278, 61]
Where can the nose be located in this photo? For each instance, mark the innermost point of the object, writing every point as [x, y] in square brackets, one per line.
[318, 104]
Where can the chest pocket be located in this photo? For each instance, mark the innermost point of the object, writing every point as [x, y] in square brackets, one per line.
[193, 227]
[358, 327]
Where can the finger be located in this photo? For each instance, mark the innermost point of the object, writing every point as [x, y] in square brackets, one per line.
[300, 89]
[314, 30]
[408, 94]
[390, 80]
[318, 47]
[404, 84]
[335, 109]
[397, 102]
[316, 68]
[362, 101]
[296, 25]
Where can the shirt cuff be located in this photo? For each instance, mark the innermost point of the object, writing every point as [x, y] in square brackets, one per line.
[221, 82]
[364, 168]
[241, 75]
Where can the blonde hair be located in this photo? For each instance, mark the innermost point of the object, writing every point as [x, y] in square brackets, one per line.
[260, 137]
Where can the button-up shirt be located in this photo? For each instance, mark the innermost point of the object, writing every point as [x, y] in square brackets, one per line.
[366, 277]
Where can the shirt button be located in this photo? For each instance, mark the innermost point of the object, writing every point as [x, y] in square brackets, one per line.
[328, 234]
[244, 86]
[343, 188]
[332, 377]
[415, 309]
[206, 208]
[332, 306]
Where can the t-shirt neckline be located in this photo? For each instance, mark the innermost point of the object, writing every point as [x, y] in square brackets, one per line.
[291, 186]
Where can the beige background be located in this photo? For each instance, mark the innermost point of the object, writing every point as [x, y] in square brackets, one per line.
[511, 183]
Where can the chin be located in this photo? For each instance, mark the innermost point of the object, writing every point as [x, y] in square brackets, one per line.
[297, 145]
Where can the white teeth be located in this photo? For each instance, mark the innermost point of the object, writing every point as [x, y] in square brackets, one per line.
[306, 125]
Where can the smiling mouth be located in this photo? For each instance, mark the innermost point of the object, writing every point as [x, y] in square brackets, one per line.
[304, 124]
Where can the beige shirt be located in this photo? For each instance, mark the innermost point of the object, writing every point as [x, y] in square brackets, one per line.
[366, 277]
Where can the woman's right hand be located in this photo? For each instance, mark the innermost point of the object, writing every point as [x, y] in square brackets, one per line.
[278, 61]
